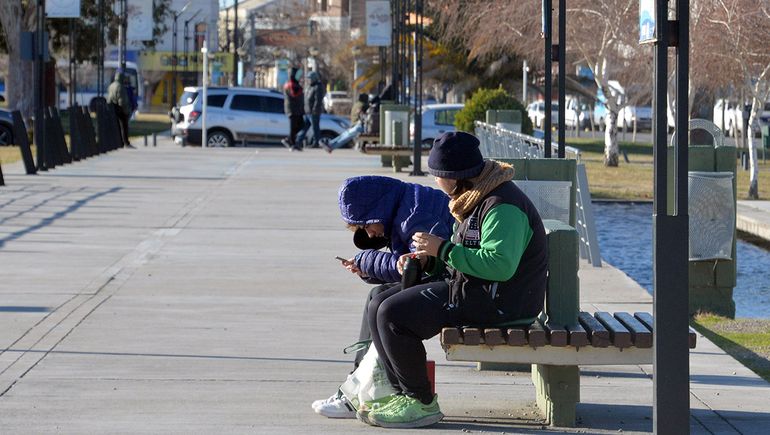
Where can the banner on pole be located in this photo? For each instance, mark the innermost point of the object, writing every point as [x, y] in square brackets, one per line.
[378, 26]
[140, 23]
[62, 9]
[647, 26]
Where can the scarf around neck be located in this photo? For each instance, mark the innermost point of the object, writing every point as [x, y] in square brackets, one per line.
[494, 174]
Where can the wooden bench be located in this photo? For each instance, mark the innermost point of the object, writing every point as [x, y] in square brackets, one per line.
[396, 155]
[563, 337]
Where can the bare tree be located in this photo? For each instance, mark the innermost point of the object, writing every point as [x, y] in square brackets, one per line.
[597, 33]
[18, 16]
[743, 27]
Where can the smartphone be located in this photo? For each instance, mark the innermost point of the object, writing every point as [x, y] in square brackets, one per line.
[341, 259]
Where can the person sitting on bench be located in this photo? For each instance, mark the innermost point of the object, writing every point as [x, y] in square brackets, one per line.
[497, 260]
[383, 212]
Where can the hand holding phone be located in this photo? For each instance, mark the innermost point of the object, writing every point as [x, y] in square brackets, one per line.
[344, 260]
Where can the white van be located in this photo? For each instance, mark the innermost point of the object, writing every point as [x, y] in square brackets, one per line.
[87, 83]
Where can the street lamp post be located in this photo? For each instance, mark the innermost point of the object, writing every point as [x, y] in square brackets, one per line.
[205, 52]
[356, 51]
[174, 50]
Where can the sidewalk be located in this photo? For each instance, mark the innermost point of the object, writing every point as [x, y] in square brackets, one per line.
[754, 218]
[189, 290]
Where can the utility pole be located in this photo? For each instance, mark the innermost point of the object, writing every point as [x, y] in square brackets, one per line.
[122, 21]
[39, 94]
[235, 44]
[100, 51]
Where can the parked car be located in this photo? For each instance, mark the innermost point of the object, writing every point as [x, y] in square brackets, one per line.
[729, 116]
[578, 113]
[337, 102]
[240, 114]
[642, 115]
[6, 128]
[437, 119]
[536, 113]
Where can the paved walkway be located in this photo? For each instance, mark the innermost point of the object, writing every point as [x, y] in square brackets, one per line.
[754, 218]
[170, 290]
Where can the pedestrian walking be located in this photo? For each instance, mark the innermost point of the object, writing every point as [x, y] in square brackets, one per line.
[313, 109]
[118, 99]
[294, 108]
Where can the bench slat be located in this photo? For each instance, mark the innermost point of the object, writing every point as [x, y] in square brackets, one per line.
[494, 336]
[640, 335]
[646, 319]
[618, 333]
[536, 335]
[597, 333]
[517, 337]
[557, 334]
[451, 336]
[472, 336]
[692, 337]
[577, 335]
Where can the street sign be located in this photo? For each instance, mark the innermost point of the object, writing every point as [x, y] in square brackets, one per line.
[140, 20]
[62, 9]
[378, 24]
[647, 22]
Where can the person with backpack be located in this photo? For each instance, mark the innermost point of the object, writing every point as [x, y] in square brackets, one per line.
[294, 108]
[118, 99]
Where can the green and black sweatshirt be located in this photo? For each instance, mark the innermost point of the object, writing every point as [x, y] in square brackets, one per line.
[498, 254]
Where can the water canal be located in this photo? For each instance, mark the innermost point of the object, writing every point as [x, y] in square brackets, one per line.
[625, 240]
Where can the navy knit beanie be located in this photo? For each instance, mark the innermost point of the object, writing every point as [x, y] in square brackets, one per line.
[455, 155]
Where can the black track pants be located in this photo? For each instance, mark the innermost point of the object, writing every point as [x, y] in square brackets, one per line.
[366, 333]
[400, 320]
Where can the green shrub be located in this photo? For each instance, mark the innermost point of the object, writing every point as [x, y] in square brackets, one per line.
[490, 99]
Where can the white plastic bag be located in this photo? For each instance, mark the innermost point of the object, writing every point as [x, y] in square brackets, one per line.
[368, 382]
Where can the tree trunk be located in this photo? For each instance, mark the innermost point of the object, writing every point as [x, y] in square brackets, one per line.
[753, 168]
[18, 82]
[611, 140]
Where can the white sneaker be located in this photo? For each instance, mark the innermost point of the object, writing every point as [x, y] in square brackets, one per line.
[336, 406]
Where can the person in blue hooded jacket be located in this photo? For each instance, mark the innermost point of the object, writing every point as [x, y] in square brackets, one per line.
[384, 212]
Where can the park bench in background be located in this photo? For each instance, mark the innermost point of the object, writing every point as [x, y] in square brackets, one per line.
[562, 338]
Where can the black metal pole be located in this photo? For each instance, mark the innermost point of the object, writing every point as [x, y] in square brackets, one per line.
[235, 44]
[186, 39]
[671, 401]
[394, 49]
[100, 51]
[69, 69]
[173, 59]
[562, 74]
[547, 33]
[383, 68]
[124, 26]
[417, 157]
[39, 88]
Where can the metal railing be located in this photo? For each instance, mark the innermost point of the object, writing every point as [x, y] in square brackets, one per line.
[500, 143]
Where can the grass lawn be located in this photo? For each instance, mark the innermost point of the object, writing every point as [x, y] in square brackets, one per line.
[634, 180]
[747, 340]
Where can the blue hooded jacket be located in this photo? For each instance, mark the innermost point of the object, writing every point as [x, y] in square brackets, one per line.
[403, 208]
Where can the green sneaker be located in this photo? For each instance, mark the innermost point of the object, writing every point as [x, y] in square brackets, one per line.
[407, 413]
[363, 411]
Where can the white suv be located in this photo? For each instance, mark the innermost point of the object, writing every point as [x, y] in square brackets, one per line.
[240, 115]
